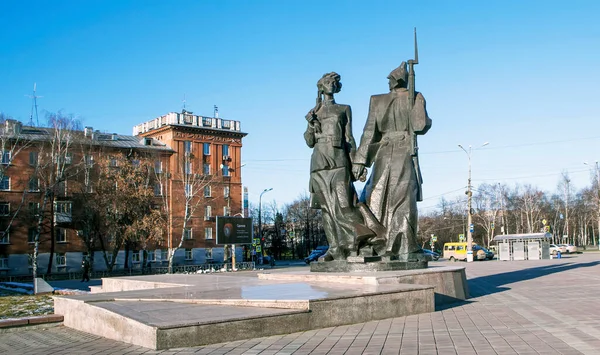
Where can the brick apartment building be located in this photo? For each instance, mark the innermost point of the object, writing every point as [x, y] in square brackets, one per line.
[182, 145]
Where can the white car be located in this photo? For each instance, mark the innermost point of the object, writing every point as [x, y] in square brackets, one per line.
[556, 248]
[570, 248]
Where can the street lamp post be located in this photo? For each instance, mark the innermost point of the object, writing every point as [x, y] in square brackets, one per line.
[597, 196]
[259, 213]
[469, 209]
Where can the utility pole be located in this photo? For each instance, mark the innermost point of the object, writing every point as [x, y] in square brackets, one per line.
[469, 208]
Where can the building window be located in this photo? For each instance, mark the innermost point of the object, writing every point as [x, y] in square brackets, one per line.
[135, 163]
[5, 183]
[206, 121]
[158, 189]
[4, 208]
[34, 208]
[158, 166]
[135, 257]
[187, 146]
[226, 192]
[63, 207]
[34, 184]
[68, 158]
[4, 261]
[187, 167]
[187, 233]
[206, 168]
[61, 235]
[226, 211]
[207, 191]
[208, 233]
[89, 160]
[164, 255]
[206, 148]
[208, 253]
[151, 256]
[188, 190]
[113, 162]
[4, 237]
[31, 235]
[109, 258]
[5, 157]
[61, 189]
[188, 254]
[61, 259]
[33, 158]
[225, 150]
[225, 170]
[207, 212]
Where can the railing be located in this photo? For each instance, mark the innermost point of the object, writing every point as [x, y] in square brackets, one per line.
[179, 269]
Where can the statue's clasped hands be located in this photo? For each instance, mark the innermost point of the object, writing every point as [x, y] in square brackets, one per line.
[360, 172]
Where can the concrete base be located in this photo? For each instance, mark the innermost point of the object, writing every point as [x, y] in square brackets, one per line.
[365, 266]
[450, 283]
[188, 310]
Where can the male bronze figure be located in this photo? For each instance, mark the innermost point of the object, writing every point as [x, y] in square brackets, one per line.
[389, 144]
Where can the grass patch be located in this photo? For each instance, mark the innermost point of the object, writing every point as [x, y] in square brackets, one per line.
[14, 305]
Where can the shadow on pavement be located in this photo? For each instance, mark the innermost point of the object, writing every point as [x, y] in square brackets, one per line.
[490, 284]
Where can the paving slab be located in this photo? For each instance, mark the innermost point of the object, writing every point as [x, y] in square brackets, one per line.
[522, 307]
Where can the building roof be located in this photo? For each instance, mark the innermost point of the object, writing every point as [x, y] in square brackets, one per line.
[523, 236]
[96, 138]
[187, 119]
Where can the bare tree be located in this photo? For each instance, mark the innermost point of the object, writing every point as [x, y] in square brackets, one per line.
[191, 188]
[53, 169]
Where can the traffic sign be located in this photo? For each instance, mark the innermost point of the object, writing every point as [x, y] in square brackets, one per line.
[258, 249]
[461, 237]
[544, 221]
[492, 225]
[434, 238]
[471, 227]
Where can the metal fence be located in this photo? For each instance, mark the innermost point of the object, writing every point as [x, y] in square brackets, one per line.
[180, 269]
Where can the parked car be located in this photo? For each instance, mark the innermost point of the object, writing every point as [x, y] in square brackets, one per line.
[316, 254]
[479, 252]
[557, 248]
[268, 260]
[488, 253]
[435, 256]
[570, 248]
[458, 251]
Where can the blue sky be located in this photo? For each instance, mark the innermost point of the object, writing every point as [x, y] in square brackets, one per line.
[521, 75]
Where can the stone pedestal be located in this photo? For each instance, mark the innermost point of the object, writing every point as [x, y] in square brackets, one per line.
[366, 264]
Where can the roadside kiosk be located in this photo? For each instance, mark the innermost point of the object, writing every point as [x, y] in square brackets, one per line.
[532, 246]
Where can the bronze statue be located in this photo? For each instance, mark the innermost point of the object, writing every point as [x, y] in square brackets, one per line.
[389, 144]
[329, 133]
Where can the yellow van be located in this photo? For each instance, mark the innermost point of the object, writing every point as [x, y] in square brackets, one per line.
[458, 251]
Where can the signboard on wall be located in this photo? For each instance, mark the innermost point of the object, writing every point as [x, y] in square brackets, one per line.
[234, 230]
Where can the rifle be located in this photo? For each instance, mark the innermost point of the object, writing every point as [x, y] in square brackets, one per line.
[411, 100]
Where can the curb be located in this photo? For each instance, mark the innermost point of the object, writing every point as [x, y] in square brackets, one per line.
[32, 322]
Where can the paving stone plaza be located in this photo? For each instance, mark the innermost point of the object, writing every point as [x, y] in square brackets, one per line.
[523, 307]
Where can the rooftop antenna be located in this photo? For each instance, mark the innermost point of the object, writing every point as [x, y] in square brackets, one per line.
[216, 111]
[34, 106]
[183, 102]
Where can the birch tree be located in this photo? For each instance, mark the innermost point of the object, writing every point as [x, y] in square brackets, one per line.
[192, 188]
[53, 169]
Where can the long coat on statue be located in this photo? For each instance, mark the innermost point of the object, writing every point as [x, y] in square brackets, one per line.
[388, 143]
